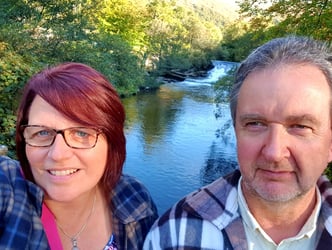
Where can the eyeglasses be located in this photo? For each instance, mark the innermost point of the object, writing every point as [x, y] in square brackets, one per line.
[75, 137]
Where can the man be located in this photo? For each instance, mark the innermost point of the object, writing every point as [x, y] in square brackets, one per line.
[20, 209]
[278, 199]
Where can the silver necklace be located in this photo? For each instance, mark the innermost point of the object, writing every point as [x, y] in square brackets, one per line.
[74, 238]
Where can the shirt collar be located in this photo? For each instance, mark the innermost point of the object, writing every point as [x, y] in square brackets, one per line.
[307, 230]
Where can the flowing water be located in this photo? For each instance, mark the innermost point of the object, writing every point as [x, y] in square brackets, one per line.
[175, 143]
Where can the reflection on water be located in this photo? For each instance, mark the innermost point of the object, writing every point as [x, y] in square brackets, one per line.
[174, 142]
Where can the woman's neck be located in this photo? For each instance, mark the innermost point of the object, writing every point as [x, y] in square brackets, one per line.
[87, 219]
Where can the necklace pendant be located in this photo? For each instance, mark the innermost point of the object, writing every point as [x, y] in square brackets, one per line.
[74, 242]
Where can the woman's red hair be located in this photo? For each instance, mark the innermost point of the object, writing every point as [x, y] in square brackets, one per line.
[85, 96]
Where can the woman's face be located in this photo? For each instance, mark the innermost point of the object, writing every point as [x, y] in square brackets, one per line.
[64, 173]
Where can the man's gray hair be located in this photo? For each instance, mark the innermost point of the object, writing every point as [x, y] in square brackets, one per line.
[281, 51]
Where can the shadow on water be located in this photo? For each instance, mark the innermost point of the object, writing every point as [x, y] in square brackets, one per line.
[217, 164]
[174, 142]
[152, 113]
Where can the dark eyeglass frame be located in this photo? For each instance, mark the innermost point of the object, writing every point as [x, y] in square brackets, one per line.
[62, 132]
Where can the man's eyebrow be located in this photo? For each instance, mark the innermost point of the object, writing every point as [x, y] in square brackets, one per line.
[290, 119]
[245, 117]
[302, 118]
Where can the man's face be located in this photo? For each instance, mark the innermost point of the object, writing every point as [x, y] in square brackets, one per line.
[283, 131]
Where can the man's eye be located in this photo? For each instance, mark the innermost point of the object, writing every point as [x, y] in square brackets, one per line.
[254, 124]
[300, 126]
[300, 129]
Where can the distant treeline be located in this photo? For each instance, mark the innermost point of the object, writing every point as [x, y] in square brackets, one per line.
[134, 42]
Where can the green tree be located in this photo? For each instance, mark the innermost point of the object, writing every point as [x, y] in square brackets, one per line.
[14, 71]
[120, 38]
[34, 34]
[126, 18]
[311, 18]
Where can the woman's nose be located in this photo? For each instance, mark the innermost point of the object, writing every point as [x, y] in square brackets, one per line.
[59, 149]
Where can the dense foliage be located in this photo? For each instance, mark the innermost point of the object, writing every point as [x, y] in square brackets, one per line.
[131, 42]
[262, 20]
[134, 42]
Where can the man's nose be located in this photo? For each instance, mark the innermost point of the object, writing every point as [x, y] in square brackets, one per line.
[276, 144]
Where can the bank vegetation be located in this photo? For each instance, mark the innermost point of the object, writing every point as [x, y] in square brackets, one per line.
[137, 43]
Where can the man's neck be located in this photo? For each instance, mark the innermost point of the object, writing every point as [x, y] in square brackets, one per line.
[282, 220]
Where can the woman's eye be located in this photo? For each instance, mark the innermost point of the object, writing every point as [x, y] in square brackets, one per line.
[43, 133]
[80, 133]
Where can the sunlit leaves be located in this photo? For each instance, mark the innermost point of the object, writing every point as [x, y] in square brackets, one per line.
[280, 17]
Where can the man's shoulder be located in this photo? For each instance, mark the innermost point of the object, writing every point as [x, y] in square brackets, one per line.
[211, 203]
[212, 200]
[325, 188]
[203, 214]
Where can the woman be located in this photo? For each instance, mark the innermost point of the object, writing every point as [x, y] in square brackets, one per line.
[70, 141]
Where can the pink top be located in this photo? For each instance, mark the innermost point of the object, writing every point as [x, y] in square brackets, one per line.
[52, 234]
[50, 228]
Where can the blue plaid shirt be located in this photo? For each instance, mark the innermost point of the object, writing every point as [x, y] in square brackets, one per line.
[209, 219]
[20, 210]
[21, 203]
[133, 211]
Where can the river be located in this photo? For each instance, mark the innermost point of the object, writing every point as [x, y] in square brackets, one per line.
[175, 143]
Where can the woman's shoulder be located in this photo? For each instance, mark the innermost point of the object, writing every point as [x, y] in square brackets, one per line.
[132, 200]
[9, 168]
[11, 177]
[130, 186]
[20, 209]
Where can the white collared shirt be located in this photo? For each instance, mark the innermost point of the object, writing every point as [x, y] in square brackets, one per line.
[258, 239]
